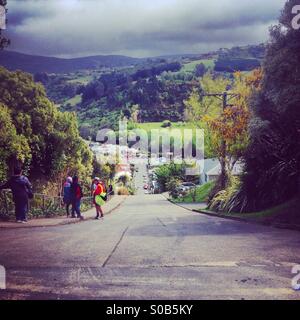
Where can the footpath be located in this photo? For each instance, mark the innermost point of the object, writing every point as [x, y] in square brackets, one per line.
[108, 208]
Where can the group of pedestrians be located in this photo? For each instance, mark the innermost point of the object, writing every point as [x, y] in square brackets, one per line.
[72, 195]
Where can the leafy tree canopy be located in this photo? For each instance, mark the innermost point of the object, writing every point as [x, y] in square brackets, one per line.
[36, 133]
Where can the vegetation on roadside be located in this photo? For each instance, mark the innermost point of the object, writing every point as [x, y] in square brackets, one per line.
[284, 214]
[272, 158]
[171, 175]
[201, 194]
[36, 134]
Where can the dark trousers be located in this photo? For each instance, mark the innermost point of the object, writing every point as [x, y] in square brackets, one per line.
[76, 208]
[21, 209]
[68, 204]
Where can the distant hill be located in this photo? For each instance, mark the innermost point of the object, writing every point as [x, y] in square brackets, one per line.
[36, 64]
[39, 64]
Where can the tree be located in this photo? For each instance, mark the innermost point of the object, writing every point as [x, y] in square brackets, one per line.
[168, 172]
[227, 129]
[104, 171]
[197, 106]
[200, 70]
[272, 159]
[13, 147]
[37, 133]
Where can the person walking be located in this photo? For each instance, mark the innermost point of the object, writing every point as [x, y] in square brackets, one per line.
[76, 196]
[99, 198]
[110, 190]
[68, 195]
[22, 191]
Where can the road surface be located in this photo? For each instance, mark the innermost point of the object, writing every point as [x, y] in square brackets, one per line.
[150, 249]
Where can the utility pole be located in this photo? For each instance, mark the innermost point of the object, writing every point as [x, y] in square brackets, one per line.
[225, 97]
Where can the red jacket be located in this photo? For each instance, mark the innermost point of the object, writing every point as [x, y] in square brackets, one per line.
[99, 190]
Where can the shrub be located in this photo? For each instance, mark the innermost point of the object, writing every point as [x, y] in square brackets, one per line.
[166, 124]
[222, 202]
[172, 185]
[123, 191]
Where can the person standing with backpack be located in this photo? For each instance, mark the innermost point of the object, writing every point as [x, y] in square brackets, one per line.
[76, 196]
[99, 198]
[22, 191]
[68, 195]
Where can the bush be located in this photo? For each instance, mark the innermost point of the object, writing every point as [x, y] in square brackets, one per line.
[233, 65]
[222, 202]
[123, 191]
[166, 124]
[172, 186]
[166, 172]
[272, 159]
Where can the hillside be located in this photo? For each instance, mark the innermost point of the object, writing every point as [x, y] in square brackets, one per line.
[101, 89]
[36, 64]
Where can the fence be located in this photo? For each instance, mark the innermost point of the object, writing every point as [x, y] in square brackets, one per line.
[40, 206]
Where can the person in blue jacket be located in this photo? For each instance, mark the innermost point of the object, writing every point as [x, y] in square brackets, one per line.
[68, 194]
[22, 191]
[76, 194]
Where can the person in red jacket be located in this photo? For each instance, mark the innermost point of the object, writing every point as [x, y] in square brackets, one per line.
[98, 201]
[76, 195]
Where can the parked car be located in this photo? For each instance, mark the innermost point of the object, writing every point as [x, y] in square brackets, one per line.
[185, 187]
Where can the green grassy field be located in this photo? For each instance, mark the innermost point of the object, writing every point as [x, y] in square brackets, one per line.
[179, 134]
[74, 101]
[190, 67]
[82, 79]
[148, 126]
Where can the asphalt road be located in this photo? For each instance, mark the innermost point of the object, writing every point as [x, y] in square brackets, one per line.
[150, 249]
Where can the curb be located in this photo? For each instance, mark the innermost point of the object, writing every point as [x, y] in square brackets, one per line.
[64, 223]
[179, 205]
[262, 223]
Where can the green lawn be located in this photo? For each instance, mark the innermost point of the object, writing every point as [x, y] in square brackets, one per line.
[176, 136]
[175, 126]
[148, 126]
[84, 79]
[74, 101]
[190, 67]
[202, 194]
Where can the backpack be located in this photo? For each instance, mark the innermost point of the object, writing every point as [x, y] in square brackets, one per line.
[100, 199]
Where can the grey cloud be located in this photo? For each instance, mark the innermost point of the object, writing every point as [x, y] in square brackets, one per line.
[137, 27]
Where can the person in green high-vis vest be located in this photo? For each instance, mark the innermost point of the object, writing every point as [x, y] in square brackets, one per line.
[99, 198]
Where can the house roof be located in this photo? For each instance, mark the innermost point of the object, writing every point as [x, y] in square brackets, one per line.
[216, 171]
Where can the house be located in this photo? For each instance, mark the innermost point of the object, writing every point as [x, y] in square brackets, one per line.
[214, 173]
[209, 164]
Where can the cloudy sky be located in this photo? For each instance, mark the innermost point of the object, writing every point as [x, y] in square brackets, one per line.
[139, 28]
